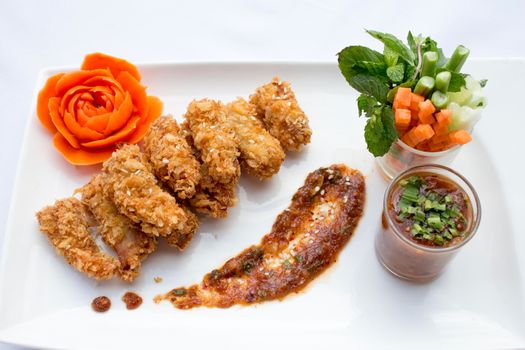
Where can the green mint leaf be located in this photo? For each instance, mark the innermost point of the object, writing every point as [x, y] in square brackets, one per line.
[396, 73]
[395, 45]
[391, 56]
[369, 85]
[349, 56]
[380, 132]
[412, 43]
[387, 117]
[366, 104]
[483, 82]
[373, 68]
[409, 73]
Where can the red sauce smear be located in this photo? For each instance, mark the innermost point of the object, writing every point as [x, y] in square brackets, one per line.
[305, 240]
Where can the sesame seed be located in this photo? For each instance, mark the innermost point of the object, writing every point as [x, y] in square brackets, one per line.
[150, 190]
[128, 192]
[289, 104]
[251, 142]
[317, 188]
[322, 192]
[165, 161]
[253, 118]
[347, 178]
[330, 177]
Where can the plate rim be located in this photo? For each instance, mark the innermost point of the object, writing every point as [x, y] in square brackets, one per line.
[46, 71]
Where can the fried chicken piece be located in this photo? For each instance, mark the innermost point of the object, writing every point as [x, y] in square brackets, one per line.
[171, 157]
[278, 109]
[118, 231]
[261, 153]
[66, 225]
[192, 225]
[135, 192]
[212, 198]
[216, 141]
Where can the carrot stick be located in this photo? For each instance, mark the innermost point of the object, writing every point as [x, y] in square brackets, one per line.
[460, 137]
[402, 118]
[403, 98]
[426, 109]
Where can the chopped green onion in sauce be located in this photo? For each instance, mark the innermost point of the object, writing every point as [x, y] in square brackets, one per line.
[431, 210]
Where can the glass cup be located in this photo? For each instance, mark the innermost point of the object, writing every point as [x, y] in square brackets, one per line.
[408, 259]
[401, 157]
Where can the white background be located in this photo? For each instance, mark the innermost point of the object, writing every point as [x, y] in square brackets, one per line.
[38, 34]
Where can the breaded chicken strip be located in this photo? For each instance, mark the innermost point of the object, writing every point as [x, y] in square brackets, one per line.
[118, 231]
[192, 225]
[66, 225]
[135, 192]
[212, 198]
[171, 157]
[214, 139]
[278, 109]
[261, 153]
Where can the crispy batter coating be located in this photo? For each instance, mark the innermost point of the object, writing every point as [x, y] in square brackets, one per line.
[171, 157]
[135, 192]
[278, 109]
[212, 198]
[66, 225]
[216, 141]
[192, 225]
[261, 153]
[118, 231]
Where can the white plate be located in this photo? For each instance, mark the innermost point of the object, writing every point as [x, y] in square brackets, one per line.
[478, 302]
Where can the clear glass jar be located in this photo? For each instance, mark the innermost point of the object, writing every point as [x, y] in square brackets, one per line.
[408, 259]
[401, 157]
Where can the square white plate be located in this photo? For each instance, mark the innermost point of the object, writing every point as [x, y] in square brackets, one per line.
[477, 303]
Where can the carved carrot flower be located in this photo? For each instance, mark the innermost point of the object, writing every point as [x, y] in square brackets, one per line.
[90, 110]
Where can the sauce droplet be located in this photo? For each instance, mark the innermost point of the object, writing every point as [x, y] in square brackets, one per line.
[101, 304]
[132, 300]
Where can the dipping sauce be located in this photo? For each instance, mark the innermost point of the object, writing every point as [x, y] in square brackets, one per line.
[132, 300]
[429, 212]
[101, 304]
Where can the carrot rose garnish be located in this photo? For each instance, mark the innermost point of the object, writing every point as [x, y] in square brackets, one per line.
[90, 110]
